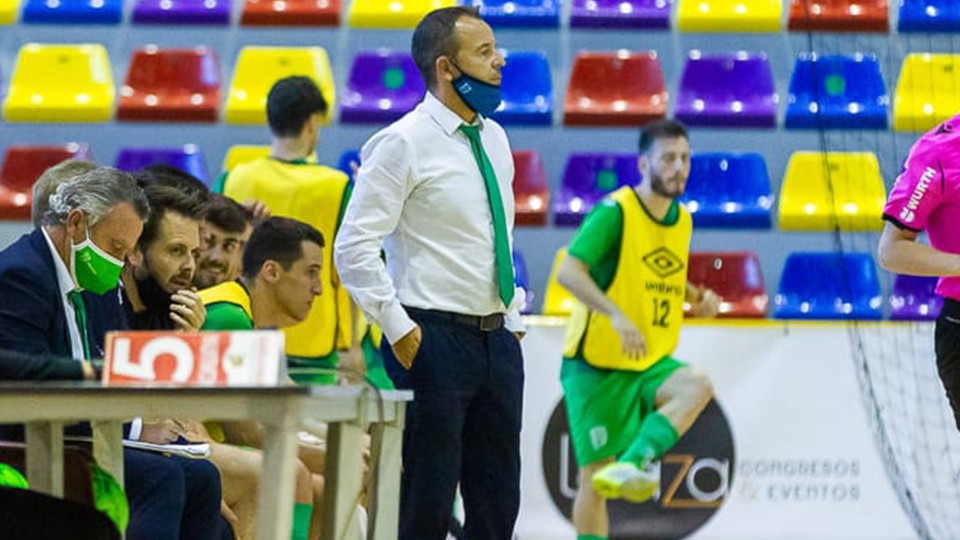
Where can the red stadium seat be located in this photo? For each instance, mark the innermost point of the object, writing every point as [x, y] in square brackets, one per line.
[839, 15]
[173, 85]
[615, 89]
[291, 13]
[735, 276]
[22, 165]
[530, 188]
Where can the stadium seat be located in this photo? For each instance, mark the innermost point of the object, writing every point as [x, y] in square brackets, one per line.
[619, 14]
[530, 192]
[9, 9]
[392, 13]
[729, 191]
[291, 13]
[736, 278]
[838, 16]
[348, 156]
[557, 300]
[928, 91]
[615, 89]
[526, 89]
[72, 11]
[735, 16]
[258, 68]
[187, 158]
[586, 179]
[383, 85]
[242, 153]
[929, 16]
[84, 91]
[519, 13]
[176, 85]
[727, 90]
[22, 165]
[522, 279]
[836, 92]
[212, 12]
[914, 298]
[828, 286]
[821, 192]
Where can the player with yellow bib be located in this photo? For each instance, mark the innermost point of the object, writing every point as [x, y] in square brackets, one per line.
[628, 400]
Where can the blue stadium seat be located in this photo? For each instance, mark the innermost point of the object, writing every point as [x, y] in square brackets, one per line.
[522, 279]
[526, 89]
[929, 16]
[828, 286]
[73, 12]
[729, 191]
[519, 13]
[837, 92]
[344, 162]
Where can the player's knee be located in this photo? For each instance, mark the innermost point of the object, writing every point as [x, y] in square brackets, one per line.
[304, 483]
[700, 388]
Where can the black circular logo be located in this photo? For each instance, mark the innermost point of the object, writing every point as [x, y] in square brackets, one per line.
[695, 477]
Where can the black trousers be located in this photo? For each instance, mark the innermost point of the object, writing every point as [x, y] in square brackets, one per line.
[947, 345]
[463, 426]
[28, 515]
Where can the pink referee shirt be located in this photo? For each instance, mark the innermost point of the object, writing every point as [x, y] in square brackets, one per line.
[926, 196]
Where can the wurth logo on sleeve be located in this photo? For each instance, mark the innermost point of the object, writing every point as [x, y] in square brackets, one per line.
[908, 214]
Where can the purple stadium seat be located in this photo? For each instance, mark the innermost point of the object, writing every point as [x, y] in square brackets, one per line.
[913, 299]
[620, 14]
[182, 12]
[727, 90]
[586, 179]
[383, 85]
[187, 158]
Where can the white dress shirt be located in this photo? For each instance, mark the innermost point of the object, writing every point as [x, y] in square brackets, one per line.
[420, 197]
[67, 285]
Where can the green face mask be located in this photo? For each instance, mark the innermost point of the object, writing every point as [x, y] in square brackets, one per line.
[93, 268]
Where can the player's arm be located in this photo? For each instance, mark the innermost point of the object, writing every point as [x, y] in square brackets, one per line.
[899, 252]
[574, 274]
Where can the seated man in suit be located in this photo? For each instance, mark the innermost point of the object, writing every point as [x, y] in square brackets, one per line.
[92, 223]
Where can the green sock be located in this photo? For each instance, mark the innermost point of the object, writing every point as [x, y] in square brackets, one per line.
[657, 435]
[591, 537]
[301, 521]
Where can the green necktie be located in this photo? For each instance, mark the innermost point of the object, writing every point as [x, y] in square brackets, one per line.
[500, 243]
[80, 310]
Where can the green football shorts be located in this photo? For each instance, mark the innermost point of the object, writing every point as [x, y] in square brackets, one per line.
[606, 407]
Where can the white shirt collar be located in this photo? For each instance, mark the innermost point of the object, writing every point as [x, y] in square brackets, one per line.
[449, 121]
[64, 279]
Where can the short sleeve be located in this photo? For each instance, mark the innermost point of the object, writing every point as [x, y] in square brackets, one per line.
[918, 190]
[598, 238]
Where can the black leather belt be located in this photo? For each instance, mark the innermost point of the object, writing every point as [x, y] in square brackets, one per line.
[484, 323]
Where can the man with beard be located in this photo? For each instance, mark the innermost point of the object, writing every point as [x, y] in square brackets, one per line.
[158, 279]
[224, 230]
[628, 400]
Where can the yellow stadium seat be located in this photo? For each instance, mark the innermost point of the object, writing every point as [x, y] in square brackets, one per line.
[242, 153]
[392, 13]
[729, 16]
[928, 91]
[557, 300]
[60, 83]
[823, 191]
[258, 68]
[8, 11]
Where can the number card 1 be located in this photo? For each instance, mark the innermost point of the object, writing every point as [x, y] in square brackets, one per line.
[247, 358]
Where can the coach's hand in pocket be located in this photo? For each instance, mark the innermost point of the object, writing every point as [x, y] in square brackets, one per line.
[406, 348]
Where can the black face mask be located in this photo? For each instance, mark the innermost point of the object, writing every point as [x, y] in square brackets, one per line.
[157, 302]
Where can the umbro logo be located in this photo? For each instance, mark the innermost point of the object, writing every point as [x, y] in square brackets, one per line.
[663, 262]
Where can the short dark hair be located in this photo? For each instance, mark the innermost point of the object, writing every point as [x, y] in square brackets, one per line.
[661, 129]
[225, 213]
[168, 175]
[166, 199]
[277, 239]
[291, 102]
[435, 37]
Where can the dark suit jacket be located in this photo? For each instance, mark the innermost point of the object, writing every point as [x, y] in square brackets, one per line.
[32, 318]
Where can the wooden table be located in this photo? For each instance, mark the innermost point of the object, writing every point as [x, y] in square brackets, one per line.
[46, 407]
